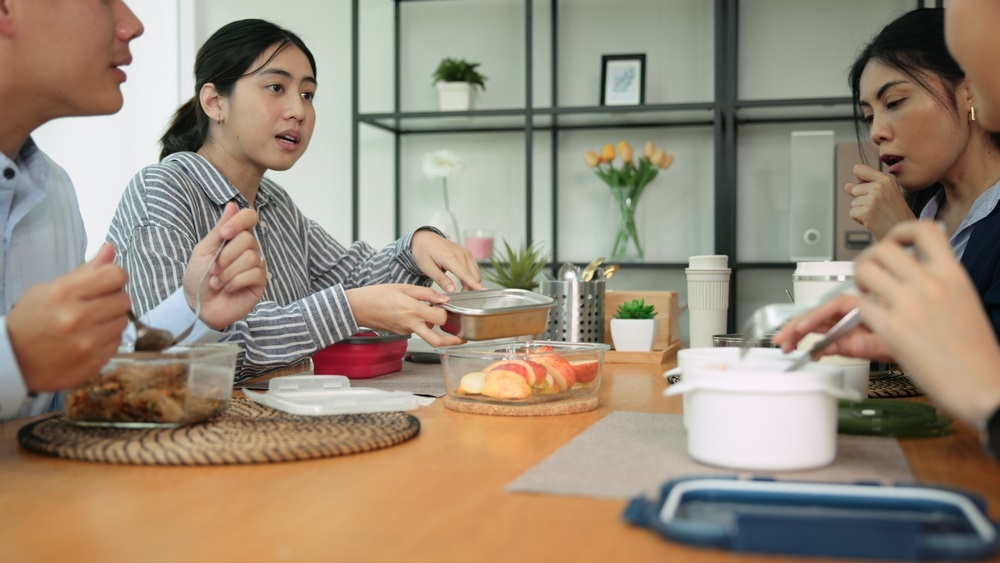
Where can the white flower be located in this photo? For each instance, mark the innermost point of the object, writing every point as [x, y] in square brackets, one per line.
[442, 164]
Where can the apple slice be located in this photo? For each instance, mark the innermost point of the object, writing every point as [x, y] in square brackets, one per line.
[504, 384]
[560, 370]
[585, 370]
[471, 383]
[547, 386]
[532, 372]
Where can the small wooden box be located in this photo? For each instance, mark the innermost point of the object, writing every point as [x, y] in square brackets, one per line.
[667, 331]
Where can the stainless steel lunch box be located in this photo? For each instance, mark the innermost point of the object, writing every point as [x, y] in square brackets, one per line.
[496, 313]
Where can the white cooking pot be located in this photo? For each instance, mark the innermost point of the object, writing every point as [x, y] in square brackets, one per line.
[756, 416]
[689, 357]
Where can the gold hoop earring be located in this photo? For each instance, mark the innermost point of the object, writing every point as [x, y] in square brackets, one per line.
[972, 114]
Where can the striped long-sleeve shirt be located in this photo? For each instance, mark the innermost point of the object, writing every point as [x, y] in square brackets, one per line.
[170, 206]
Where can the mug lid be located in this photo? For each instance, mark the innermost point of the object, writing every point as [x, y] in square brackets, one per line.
[826, 268]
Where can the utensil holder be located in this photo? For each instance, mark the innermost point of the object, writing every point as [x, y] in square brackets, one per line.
[578, 314]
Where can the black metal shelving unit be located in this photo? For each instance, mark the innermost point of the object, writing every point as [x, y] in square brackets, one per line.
[724, 115]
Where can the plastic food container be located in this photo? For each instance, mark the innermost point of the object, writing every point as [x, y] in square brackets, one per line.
[856, 521]
[757, 416]
[179, 386]
[366, 354]
[522, 372]
[497, 313]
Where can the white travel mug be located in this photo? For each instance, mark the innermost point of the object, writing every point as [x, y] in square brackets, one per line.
[708, 298]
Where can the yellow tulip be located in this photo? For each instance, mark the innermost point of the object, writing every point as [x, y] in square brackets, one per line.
[649, 150]
[625, 152]
[662, 159]
[591, 159]
[608, 153]
[622, 145]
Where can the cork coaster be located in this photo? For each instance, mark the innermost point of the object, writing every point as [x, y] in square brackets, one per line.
[572, 405]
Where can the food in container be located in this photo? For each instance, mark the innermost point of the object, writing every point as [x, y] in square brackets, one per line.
[496, 313]
[754, 415]
[367, 353]
[514, 372]
[178, 386]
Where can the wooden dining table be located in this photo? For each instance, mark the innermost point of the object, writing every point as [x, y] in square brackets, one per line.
[437, 497]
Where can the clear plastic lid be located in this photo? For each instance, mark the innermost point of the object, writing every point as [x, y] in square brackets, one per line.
[324, 395]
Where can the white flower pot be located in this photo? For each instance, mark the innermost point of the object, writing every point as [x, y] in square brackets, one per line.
[633, 335]
[455, 96]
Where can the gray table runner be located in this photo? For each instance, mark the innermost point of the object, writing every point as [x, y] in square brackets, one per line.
[627, 453]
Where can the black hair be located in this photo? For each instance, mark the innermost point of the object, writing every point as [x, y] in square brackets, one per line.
[914, 44]
[222, 60]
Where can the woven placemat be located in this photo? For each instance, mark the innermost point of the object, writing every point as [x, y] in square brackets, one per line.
[891, 383]
[245, 433]
[572, 405]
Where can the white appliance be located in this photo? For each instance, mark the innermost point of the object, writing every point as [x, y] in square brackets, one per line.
[811, 205]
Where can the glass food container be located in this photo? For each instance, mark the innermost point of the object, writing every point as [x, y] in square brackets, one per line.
[178, 386]
[515, 372]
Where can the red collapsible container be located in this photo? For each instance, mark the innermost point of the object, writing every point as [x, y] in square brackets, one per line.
[366, 354]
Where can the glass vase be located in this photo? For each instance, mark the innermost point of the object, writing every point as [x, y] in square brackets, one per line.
[626, 244]
[444, 221]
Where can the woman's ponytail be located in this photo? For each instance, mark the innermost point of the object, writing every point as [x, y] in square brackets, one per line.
[187, 130]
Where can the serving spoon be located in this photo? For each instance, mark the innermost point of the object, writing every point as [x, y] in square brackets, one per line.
[149, 339]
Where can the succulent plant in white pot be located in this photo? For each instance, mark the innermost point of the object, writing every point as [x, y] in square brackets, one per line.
[633, 326]
[456, 81]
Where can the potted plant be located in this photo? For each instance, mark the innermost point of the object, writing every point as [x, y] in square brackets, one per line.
[456, 81]
[517, 268]
[633, 326]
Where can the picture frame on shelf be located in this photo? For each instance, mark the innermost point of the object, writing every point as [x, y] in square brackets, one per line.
[623, 80]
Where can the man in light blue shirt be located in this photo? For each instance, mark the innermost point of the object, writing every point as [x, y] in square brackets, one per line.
[63, 321]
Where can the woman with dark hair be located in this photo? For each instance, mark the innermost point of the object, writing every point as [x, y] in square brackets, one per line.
[920, 309]
[915, 103]
[253, 112]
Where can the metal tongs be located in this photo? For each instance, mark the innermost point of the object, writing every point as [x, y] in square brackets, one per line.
[769, 318]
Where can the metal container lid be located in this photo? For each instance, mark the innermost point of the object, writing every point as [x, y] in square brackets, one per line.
[496, 301]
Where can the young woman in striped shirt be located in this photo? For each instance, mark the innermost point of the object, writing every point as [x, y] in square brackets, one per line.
[253, 112]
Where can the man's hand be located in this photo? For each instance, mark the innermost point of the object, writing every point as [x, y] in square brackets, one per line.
[62, 332]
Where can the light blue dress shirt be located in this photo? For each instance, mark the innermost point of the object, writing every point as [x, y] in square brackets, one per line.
[43, 239]
[982, 207]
